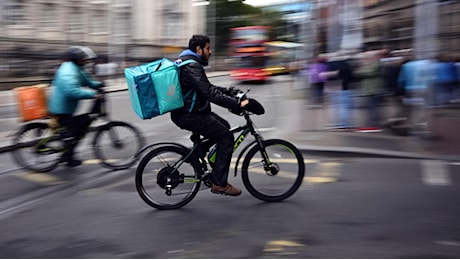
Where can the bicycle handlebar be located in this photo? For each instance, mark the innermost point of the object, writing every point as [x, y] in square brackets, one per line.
[253, 106]
[242, 95]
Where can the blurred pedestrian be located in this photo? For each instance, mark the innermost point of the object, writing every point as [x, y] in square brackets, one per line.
[315, 72]
[369, 73]
[391, 65]
[341, 100]
[445, 84]
[414, 83]
[457, 88]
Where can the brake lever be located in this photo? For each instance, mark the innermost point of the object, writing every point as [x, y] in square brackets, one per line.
[242, 95]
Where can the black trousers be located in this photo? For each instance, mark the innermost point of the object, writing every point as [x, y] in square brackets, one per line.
[211, 126]
[75, 128]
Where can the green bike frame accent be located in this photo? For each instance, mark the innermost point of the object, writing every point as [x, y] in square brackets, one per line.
[246, 130]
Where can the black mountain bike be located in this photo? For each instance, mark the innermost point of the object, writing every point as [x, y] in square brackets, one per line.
[169, 174]
[38, 146]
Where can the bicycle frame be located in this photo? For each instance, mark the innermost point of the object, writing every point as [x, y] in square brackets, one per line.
[243, 131]
[51, 121]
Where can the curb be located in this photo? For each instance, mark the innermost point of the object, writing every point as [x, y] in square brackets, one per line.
[356, 151]
[6, 148]
[316, 149]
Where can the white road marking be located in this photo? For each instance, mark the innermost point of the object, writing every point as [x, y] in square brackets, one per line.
[42, 178]
[435, 172]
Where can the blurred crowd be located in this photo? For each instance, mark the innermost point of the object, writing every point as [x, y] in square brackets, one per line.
[379, 76]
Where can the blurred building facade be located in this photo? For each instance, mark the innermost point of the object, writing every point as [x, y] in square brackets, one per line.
[34, 33]
[426, 26]
[429, 27]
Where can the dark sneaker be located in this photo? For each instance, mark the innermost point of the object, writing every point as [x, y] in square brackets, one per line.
[73, 163]
[227, 190]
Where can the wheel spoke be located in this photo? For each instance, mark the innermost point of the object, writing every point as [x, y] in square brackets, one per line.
[279, 182]
[38, 148]
[116, 145]
[175, 181]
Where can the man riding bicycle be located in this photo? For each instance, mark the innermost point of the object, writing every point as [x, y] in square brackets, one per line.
[67, 88]
[196, 115]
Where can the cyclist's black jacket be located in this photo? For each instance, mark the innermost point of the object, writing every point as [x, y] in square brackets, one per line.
[193, 77]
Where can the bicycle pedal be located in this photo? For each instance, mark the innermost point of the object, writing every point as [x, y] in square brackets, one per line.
[207, 183]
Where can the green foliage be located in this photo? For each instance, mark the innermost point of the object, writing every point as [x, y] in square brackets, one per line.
[225, 14]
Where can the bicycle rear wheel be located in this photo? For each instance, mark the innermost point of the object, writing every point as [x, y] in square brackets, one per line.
[116, 143]
[37, 147]
[164, 180]
[280, 179]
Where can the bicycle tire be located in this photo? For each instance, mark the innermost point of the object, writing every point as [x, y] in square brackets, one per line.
[286, 177]
[153, 171]
[28, 155]
[116, 144]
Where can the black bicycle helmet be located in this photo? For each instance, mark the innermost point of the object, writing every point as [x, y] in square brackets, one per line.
[75, 53]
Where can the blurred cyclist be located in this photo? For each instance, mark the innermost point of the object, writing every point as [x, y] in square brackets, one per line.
[196, 115]
[67, 89]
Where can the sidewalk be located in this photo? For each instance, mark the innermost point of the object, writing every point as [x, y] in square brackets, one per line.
[312, 135]
[309, 132]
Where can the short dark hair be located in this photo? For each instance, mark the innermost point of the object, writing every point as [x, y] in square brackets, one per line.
[198, 40]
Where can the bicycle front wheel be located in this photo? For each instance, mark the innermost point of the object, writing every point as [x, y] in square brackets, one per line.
[37, 147]
[275, 174]
[116, 143]
[164, 180]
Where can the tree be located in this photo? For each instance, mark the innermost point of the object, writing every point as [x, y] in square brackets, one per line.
[226, 14]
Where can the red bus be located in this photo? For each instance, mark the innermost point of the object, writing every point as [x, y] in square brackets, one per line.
[248, 53]
[249, 35]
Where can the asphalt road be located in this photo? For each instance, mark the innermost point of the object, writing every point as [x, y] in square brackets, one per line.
[346, 208]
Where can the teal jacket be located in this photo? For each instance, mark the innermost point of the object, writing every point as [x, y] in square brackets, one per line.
[67, 88]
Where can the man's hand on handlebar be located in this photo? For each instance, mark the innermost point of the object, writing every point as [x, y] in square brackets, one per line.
[100, 92]
[243, 103]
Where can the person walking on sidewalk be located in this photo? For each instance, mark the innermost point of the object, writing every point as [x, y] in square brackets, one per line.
[316, 78]
[372, 87]
[67, 89]
[196, 115]
[341, 100]
[445, 85]
[414, 83]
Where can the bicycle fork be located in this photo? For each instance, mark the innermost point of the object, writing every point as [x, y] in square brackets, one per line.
[270, 167]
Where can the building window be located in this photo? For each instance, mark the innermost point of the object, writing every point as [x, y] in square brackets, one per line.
[172, 20]
[15, 12]
[75, 20]
[121, 23]
[99, 22]
[49, 18]
[121, 2]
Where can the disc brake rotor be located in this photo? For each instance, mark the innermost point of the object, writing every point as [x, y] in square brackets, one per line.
[167, 176]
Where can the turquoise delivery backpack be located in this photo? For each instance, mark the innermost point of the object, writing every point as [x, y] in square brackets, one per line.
[154, 87]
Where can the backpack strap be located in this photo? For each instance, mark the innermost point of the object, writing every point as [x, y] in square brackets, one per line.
[193, 99]
[180, 63]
